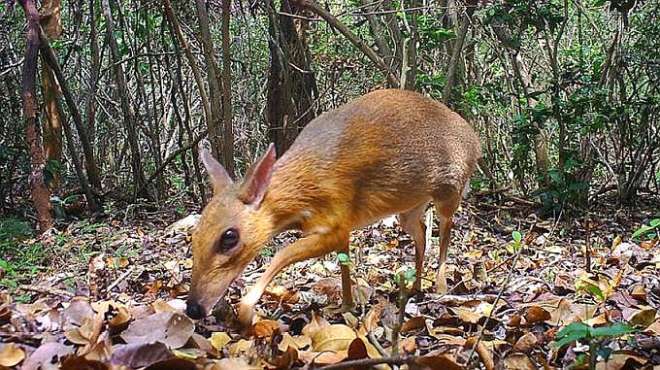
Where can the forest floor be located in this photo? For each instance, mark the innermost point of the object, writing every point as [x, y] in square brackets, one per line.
[570, 293]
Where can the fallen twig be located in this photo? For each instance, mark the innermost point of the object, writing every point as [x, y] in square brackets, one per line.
[499, 296]
[119, 279]
[47, 290]
[397, 360]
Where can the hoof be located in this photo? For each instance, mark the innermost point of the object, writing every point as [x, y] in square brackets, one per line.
[441, 280]
[245, 315]
[347, 307]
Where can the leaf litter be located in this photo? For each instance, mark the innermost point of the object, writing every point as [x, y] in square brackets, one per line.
[120, 305]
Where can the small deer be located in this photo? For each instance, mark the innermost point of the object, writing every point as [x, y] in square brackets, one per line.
[387, 152]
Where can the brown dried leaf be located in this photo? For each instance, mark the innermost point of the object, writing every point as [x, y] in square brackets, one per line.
[357, 350]
[286, 359]
[77, 311]
[414, 323]
[219, 340]
[297, 342]
[119, 321]
[433, 361]
[315, 324]
[618, 361]
[265, 328]
[171, 328]
[526, 343]
[81, 363]
[408, 345]
[322, 358]
[518, 361]
[173, 363]
[5, 314]
[11, 354]
[45, 355]
[138, 355]
[536, 314]
[333, 338]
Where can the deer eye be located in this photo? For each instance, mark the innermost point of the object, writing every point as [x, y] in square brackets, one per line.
[228, 240]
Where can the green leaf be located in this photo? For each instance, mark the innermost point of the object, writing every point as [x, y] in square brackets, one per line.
[410, 275]
[655, 222]
[517, 236]
[571, 333]
[343, 258]
[614, 330]
[641, 231]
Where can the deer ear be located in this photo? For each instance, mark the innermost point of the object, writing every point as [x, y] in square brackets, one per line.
[219, 177]
[257, 179]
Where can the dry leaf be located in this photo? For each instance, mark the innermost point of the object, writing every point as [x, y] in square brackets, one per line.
[11, 354]
[536, 314]
[138, 355]
[439, 362]
[81, 363]
[171, 328]
[414, 323]
[518, 361]
[265, 328]
[526, 343]
[219, 340]
[297, 342]
[232, 364]
[45, 355]
[357, 350]
[408, 345]
[333, 338]
[315, 324]
[618, 361]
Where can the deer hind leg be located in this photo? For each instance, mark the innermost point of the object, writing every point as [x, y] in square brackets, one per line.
[412, 223]
[446, 203]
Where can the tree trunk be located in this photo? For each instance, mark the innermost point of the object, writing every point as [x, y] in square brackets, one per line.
[52, 125]
[39, 191]
[215, 92]
[49, 58]
[127, 110]
[291, 93]
[456, 52]
[227, 127]
[311, 5]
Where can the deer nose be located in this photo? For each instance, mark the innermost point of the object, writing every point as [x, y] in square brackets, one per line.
[194, 310]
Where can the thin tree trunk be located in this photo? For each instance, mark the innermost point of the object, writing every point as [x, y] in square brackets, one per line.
[127, 110]
[92, 170]
[353, 38]
[227, 128]
[456, 53]
[39, 191]
[215, 92]
[177, 36]
[176, 30]
[291, 91]
[52, 125]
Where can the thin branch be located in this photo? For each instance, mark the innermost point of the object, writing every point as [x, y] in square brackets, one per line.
[354, 39]
[365, 362]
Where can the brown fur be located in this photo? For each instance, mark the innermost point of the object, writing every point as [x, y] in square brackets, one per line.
[387, 152]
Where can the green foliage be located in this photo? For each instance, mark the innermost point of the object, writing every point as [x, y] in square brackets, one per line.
[649, 231]
[578, 331]
[343, 259]
[431, 33]
[516, 244]
[18, 260]
[408, 275]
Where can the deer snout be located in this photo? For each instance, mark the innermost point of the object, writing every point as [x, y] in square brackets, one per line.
[194, 310]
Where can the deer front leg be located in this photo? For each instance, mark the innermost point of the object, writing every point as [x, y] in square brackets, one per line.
[313, 245]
